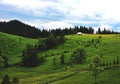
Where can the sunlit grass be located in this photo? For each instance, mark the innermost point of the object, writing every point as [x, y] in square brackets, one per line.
[47, 71]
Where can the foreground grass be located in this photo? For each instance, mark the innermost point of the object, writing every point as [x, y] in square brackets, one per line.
[48, 73]
[109, 76]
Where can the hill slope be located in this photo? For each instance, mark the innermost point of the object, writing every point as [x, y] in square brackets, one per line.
[18, 28]
[78, 74]
[12, 45]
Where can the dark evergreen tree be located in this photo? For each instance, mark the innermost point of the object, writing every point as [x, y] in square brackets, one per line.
[62, 59]
[90, 30]
[61, 39]
[29, 57]
[6, 80]
[106, 31]
[15, 81]
[114, 61]
[5, 62]
[79, 55]
[41, 47]
[107, 63]
[103, 63]
[45, 33]
[117, 60]
[110, 63]
[51, 41]
[99, 30]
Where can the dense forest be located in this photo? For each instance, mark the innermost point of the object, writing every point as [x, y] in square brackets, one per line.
[19, 28]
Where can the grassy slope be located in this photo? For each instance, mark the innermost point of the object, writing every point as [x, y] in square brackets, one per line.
[47, 72]
[12, 46]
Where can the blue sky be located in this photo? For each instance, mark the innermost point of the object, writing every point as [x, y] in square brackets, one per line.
[51, 14]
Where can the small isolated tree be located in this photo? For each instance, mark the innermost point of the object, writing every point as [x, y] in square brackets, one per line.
[114, 61]
[30, 58]
[15, 81]
[51, 41]
[41, 45]
[95, 67]
[79, 55]
[6, 80]
[110, 63]
[5, 62]
[62, 59]
[117, 60]
[103, 64]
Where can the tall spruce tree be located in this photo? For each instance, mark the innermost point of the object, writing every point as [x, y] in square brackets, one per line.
[30, 57]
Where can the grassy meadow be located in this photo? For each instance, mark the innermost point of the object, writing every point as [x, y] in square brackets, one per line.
[47, 73]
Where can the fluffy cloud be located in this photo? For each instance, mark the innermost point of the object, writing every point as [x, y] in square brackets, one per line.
[64, 13]
[56, 24]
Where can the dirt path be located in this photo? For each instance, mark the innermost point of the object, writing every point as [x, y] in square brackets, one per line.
[68, 76]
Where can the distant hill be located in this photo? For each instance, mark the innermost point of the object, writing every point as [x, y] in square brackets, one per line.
[18, 28]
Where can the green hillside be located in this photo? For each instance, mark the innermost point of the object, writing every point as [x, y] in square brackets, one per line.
[47, 72]
[12, 46]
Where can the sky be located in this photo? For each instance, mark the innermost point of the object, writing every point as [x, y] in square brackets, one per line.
[51, 14]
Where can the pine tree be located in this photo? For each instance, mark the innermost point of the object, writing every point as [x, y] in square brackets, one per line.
[6, 80]
[114, 61]
[99, 31]
[51, 41]
[107, 63]
[79, 55]
[117, 60]
[62, 59]
[103, 63]
[30, 57]
[110, 63]
[6, 64]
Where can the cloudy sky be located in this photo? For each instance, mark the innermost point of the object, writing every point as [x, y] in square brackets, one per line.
[63, 13]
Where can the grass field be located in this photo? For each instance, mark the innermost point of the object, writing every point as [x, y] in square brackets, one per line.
[109, 47]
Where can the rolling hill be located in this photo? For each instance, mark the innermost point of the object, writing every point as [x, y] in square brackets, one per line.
[17, 27]
[47, 73]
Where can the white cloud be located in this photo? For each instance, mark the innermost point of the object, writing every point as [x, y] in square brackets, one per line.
[100, 12]
[36, 6]
[33, 4]
[56, 24]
